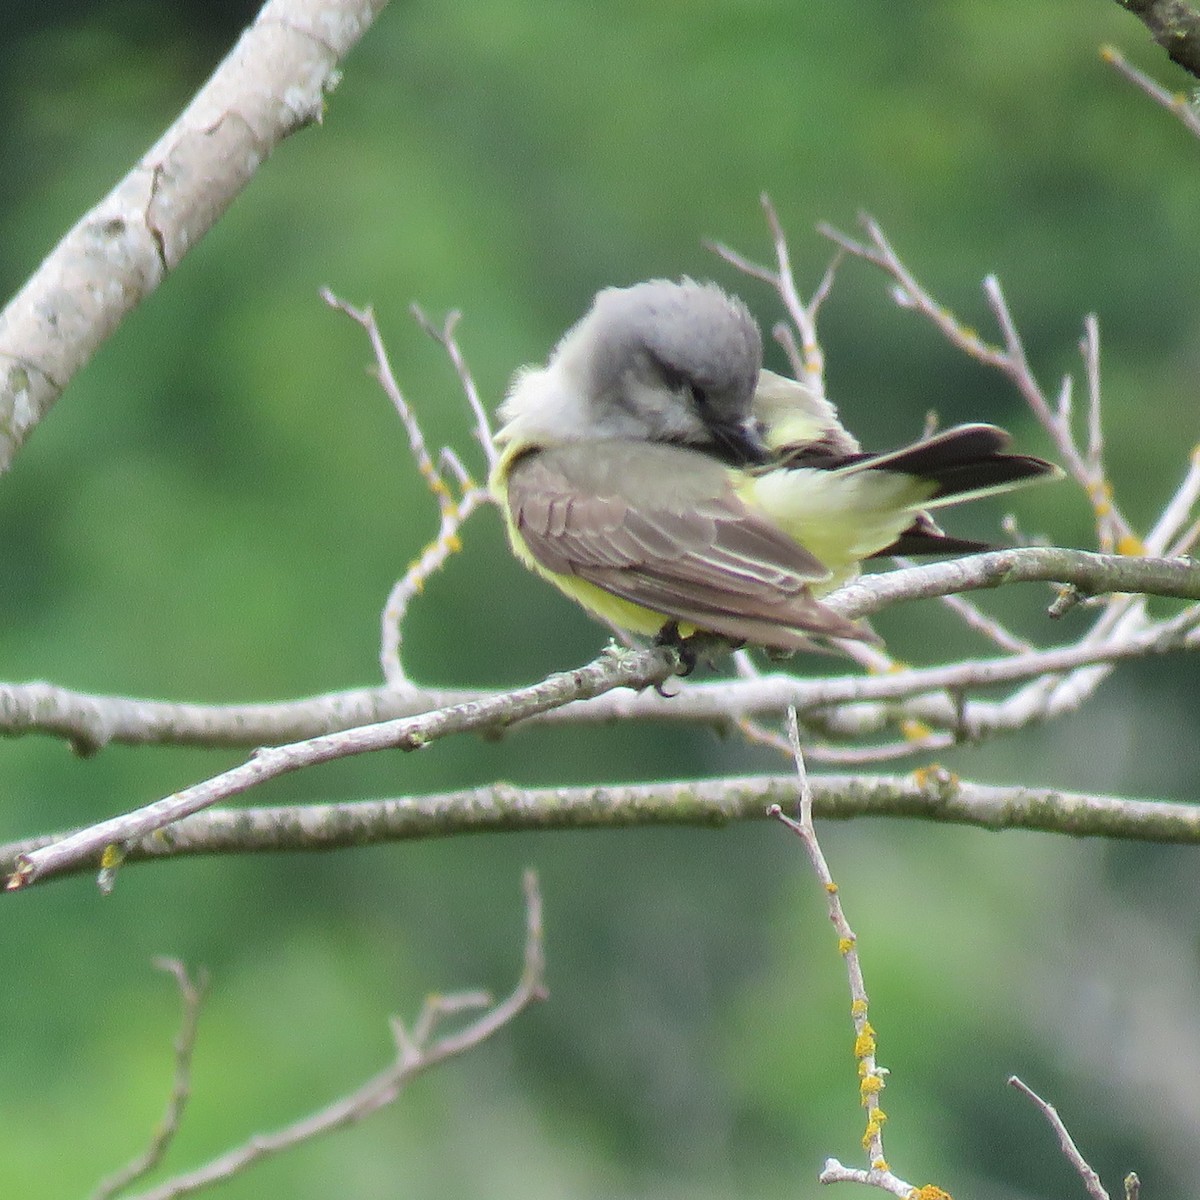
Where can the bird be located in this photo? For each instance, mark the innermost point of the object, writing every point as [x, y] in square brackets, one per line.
[658, 475]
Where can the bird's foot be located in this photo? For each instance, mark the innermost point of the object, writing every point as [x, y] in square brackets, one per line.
[669, 637]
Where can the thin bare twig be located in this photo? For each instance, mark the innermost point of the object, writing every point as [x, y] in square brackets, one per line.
[191, 993]
[974, 618]
[908, 293]
[1165, 538]
[1186, 540]
[809, 361]
[445, 337]
[871, 1075]
[1114, 531]
[1089, 349]
[455, 465]
[420, 570]
[416, 1051]
[1071, 1152]
[1176, 103]
[804, 316]
[1087, 467]
[757, 734]
[918, 740]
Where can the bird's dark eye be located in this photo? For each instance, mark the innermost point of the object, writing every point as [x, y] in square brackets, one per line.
[683, 384]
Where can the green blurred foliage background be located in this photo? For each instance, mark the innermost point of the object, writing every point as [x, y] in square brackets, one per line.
[218, 505]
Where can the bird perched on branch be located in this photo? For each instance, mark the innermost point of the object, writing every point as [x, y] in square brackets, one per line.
[656, 474]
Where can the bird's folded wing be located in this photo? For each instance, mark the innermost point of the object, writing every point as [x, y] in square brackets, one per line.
[662, 527]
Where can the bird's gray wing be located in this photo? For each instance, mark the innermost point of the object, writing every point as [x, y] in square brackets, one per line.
[662, 527]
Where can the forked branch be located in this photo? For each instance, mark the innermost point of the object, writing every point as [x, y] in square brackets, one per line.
[418, 1048]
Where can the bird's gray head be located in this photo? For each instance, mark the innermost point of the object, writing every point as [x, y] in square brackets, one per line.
[660, 361]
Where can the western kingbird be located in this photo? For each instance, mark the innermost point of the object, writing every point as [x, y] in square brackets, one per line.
[657, 475]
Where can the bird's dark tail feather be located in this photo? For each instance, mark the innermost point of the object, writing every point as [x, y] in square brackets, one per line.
[963, 463]
[965, 460]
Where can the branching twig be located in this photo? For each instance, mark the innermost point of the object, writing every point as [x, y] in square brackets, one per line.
[191, 993]
[1121, 618]
[871, 1075]
[444, 336]
[1087, 468]
[453, 510]
[416, 1051]
[974, 618]
[810, 362]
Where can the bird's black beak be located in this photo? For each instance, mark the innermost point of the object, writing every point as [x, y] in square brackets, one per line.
[740, 442]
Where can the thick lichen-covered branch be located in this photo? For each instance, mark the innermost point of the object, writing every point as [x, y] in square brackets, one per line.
[272, 83]
[1174, 25]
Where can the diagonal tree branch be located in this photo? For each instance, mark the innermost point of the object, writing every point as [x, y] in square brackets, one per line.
[271, 84]
[1066, 1142]
[104, 840]
[1176, 103]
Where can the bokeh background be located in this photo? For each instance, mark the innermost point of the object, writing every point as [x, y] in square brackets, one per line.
[216, 509]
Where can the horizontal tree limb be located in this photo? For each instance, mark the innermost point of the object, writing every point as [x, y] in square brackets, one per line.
[932, 794]
[1092, 574]
[91, 721]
